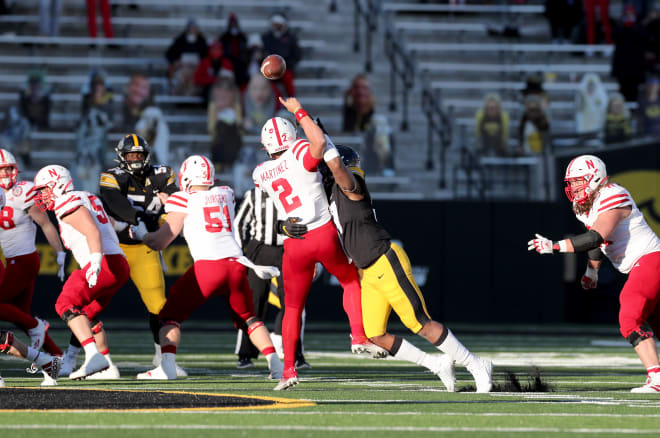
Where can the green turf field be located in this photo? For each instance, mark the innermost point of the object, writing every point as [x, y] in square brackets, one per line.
[590, 376]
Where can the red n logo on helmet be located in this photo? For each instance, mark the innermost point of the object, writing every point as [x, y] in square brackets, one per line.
[590, 164]
[53, 172]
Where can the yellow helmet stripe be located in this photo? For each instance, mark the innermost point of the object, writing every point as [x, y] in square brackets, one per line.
[135, 140]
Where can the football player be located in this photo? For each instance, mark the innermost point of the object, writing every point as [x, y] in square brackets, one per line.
[616, 228]
[85, 229]
[136, 191]
[49, 365]
[205, 214]
[18, 233]
[292, 180]
[387, 280]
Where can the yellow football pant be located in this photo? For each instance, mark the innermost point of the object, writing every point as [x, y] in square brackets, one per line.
[147, 275]
[389, 284]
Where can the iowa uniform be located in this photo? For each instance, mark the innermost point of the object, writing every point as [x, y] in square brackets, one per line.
[130, 193]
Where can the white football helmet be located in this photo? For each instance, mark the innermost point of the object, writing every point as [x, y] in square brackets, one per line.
[277, 135]
[196, 170]
[590, 171]
[51, 182]
[7, 159]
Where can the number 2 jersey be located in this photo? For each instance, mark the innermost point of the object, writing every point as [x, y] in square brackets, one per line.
[74, 239]
[632, 238]
[17, 229]
[208, 226]
[294, 184]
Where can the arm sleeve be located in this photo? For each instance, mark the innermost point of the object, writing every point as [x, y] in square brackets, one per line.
[595, 254]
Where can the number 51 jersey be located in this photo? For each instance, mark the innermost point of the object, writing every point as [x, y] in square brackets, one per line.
[293, 182]
[208, 226]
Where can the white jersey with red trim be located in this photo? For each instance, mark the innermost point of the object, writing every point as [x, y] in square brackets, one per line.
[74, 239]
[208, 226]
[17, 229]
[632, 238]
[293, 182]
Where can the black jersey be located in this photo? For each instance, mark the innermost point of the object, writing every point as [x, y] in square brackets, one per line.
[365, 240]
[128, 198]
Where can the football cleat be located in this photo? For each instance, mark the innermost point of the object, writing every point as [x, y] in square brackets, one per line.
[111, 373]
[93, 364]
[289, 379]
[275, 366]
[180, 372]
[371, 349]
[48, 381]
[52, 368]
[38, 334]
[482, 371]
[302, 364]
[158, 373]
[244, 362]
[445, 370]
[652, 385]
[68, 364]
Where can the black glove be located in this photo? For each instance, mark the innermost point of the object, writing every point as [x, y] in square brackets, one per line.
[290, 227]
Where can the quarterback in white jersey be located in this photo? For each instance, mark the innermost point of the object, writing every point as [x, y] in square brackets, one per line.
[87, 231]
[205, 215]
[17, 238]
[617, 229]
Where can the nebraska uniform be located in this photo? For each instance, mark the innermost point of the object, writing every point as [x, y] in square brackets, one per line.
[114, 268]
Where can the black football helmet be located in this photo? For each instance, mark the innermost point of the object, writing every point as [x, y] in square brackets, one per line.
[133, 143]
[351, 159]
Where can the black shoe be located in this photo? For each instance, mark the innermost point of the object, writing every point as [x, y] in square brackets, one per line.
[244, 362]
[302, 364]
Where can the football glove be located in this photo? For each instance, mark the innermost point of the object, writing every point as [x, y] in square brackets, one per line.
[92, 274]
[61, 262]
[137, 232]
[590, 278]
[290, 227]
[541, 245]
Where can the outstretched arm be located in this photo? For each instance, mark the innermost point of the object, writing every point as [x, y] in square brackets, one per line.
[41, 218]
[345, 179]
[312, 131]
[161, 238]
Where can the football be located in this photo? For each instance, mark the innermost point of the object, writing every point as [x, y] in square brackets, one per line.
[273, 67]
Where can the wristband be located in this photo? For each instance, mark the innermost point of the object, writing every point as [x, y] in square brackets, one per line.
[330, 152]
[300, 113]
[559, 246]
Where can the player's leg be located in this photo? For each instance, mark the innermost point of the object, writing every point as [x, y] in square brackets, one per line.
[19, 273]
[639, 299]
[14, 347]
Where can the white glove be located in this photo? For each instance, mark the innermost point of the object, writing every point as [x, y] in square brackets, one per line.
[590, 278]
[137, 232]
[541, 245]
[61, 261]
[94, 269]
[263, 272]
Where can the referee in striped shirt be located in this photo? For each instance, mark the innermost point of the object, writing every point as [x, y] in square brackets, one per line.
[260, 229]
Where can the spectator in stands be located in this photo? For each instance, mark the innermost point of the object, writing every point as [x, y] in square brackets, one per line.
[183, 56]
[591, 104]
[235, 47]
[534, 127]
[214, 65]
[563, 16]
[224, 123]
[534, 86]
[255, 54]
[97, 93]
[648, 109]
[105, 14]
[49, 16]
[141, 116]
[359, 116]
[628, 61]
[259, 104]
[590, 19]
[279, 39]
[618, 125]
[492, 127]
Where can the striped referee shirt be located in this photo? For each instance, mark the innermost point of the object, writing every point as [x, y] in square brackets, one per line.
[257, 219]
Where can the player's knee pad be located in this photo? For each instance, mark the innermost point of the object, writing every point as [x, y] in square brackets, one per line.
[97, 327]
[71, 313]
[639, 334]
[6, 340]
[164, 322]
[253, 324]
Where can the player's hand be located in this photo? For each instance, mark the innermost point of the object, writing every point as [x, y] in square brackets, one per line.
[590, 278]
[92, 274]
[290, 227]
[290, 103]
[61, 262]
[137, 232]
[541, 244]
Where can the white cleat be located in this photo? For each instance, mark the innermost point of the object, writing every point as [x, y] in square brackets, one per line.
[112, 373]
[371, 349]
[48, 381]
[97, 362]
[482, 371]
[51, 369]
[38, 334]
[286, 383]
[652, 385]
[157, 373]
[68, 364]
[446, 371]
[180, 372]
